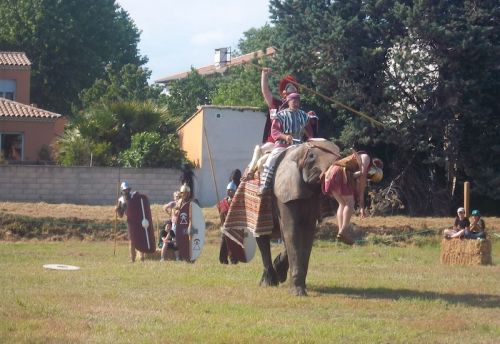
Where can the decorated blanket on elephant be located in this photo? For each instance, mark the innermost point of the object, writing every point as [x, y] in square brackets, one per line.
[253, 213]
[249, 211]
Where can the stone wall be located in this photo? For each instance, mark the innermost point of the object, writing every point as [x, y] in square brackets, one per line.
[83, 185]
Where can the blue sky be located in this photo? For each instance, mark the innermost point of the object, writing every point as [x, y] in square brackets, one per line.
[178, 34]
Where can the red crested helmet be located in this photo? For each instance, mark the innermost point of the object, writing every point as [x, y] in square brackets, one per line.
[288, 85]
[312, 114]
[378, 163]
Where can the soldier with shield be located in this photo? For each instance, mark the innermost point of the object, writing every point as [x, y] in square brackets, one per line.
[139, 221]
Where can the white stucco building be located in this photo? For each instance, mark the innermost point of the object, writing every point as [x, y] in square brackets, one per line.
[232, 133]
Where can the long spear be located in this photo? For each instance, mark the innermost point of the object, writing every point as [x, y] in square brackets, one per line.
[211, 164]
[116, 215]
[330, 99]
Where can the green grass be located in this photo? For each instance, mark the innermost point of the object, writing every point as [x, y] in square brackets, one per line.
[365, 294]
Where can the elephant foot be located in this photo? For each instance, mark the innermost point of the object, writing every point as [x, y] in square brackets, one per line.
[269, 279]
[298, 291]
[280, 264]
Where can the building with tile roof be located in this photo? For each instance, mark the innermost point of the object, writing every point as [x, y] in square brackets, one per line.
[26, 132]
[15, 74]
[222, 62]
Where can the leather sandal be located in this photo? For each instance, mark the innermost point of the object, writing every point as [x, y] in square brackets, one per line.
[345, 238]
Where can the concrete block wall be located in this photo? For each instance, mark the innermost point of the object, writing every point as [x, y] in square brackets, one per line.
[83, 185]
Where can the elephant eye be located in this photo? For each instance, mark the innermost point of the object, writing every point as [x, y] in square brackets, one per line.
[310, 158]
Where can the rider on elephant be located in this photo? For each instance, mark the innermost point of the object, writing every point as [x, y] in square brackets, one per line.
[346, 181]
[290, 126]
[287, 86]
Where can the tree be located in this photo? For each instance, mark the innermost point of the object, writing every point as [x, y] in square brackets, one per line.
[128, 84]
[69, 44]
[106, 131]
[239, 87]
[189, 93]
[256, 39]
[424, 68]
[150, 149]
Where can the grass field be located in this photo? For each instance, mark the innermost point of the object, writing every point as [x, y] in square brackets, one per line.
[364, 294]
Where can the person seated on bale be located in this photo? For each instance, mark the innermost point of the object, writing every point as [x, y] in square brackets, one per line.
[477, 227]
[461, 225]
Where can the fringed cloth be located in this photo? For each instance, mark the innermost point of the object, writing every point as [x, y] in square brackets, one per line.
[249, 212]
[254, 214]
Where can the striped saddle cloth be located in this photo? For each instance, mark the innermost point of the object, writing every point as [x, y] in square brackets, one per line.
[249, 212]
[254, 213]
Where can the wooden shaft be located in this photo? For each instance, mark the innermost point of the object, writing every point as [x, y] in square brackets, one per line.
[211, 164]
[466, 198]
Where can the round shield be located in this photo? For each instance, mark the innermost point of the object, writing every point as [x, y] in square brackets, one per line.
[61, 267]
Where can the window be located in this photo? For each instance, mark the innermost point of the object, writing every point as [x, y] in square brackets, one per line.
[8, 89]
[11, 146]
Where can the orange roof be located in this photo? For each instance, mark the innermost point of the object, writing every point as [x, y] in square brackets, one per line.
[14, 59]
[211, 69]
[9, 108]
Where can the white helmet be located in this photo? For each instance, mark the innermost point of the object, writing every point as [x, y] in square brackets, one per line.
[231, 186]
[124, 186]
[185, 188]
[375, 174]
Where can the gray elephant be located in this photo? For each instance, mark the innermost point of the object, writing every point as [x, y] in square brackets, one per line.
[296, 203]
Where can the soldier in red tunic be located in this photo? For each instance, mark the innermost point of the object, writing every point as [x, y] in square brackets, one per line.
[121, 209]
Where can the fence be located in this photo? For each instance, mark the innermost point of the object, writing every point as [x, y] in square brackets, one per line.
[83, 185]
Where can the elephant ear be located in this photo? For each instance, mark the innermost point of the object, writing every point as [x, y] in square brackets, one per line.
[288, 182]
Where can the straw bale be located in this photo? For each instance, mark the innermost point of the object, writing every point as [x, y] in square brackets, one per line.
[465, 252]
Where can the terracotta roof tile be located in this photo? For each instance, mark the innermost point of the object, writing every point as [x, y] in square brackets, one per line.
[14, 59]
[211, 69]
[9, 108]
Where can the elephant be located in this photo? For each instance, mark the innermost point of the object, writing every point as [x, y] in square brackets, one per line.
[296, 205]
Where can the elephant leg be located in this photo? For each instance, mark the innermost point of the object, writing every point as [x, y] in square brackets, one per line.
[281, 266]
[299, 223]
[223, 253]
[269, 277]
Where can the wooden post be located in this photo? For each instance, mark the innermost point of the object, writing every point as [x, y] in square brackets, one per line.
[466, 198]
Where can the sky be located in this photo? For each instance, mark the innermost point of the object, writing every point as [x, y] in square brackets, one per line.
[178, 34]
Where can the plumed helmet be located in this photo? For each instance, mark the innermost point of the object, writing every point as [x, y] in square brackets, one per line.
[231, 186]
[124, 186]
[312, 114]
[375, 174]
[185, 188]
[288, 85]
[378, 163]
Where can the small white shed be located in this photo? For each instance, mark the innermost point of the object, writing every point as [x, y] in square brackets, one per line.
[225, 136]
